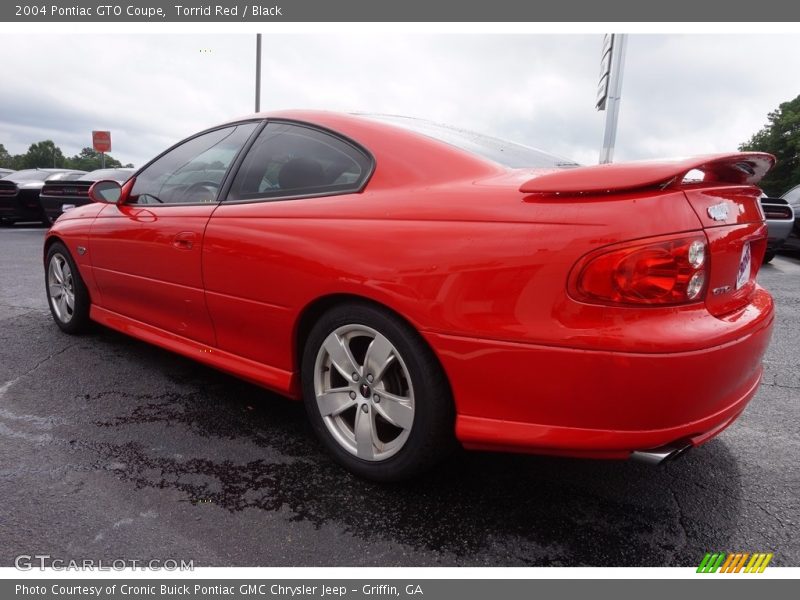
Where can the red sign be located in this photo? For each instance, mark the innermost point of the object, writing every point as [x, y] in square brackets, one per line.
[101, 140]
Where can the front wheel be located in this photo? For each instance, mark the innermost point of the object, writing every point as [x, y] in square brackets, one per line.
[376, 394]
[66, 293]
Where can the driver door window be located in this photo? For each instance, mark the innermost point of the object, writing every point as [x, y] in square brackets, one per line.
[193, 172]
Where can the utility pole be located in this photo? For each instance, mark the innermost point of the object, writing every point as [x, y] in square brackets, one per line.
[609, 91]
[258, 72]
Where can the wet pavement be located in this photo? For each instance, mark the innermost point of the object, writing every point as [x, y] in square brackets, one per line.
[110, 448]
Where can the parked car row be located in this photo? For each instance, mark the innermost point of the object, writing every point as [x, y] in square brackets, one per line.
[59, 195]
[43, 194]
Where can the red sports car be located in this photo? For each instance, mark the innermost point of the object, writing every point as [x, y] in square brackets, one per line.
[420, 286]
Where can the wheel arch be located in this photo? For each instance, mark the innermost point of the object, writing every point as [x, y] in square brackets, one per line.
[313, 311]
[48, 242]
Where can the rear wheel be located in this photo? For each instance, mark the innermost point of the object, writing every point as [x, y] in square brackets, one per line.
[66, 293]
[375, 393]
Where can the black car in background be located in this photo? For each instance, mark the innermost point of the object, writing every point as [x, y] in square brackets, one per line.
[792, 198]
[59, 196]
[780, 221]
[19, 193]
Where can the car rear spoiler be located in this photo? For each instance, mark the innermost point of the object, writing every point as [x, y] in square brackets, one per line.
[736, 168]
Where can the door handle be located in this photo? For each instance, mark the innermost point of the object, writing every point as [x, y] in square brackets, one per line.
[184, 240]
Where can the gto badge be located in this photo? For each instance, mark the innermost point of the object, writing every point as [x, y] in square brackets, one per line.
[721, 290]
[718, 212]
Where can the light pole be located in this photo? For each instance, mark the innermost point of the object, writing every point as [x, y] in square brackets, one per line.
[610, 90]
[258, 72]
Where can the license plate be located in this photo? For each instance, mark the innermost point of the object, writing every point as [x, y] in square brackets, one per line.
[743, 276]
[66, 207]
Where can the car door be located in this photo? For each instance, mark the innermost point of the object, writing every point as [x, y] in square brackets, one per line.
[146, 253]
[254, 266]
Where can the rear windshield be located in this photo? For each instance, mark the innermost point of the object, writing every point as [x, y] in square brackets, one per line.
[508, 154]
[793, 196]
[68, 176]
[29, 175]
[115, 174]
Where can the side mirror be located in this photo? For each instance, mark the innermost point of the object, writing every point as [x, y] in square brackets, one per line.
[106, 191]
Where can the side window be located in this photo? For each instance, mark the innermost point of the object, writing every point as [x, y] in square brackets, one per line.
[293, 160]
[191, 173]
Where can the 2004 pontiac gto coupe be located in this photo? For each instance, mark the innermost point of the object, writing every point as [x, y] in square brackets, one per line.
[418, 285]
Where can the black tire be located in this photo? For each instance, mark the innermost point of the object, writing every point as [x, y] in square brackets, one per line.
[430, 437]
[77, 321]
[768, 256]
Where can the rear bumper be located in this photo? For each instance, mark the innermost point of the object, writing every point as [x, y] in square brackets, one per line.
[8, 207]
[52, 206]
[778, 231]
[604, 404]
[479, 433]
[793, 241]
[22, 207]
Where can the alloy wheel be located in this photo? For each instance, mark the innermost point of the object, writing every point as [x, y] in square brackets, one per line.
[364, 392]
[61, 285]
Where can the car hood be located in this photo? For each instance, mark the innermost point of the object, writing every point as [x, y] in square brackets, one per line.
[87, 211]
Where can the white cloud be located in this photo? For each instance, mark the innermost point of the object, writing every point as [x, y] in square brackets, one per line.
[682, 94]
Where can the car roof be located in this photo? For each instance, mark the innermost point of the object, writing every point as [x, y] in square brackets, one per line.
[399, 152]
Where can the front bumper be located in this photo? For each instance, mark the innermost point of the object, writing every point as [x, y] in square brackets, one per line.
[597, 403]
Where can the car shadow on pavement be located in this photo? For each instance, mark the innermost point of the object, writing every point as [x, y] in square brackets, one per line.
[223, 441]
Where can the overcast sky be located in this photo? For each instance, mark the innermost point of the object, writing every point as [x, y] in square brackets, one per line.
[682, 94]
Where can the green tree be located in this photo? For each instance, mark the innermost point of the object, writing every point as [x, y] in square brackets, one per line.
[89, 160]
[6, 160]
[781, 137]
[45, 155]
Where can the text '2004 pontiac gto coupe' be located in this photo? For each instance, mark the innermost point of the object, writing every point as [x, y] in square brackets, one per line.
[420, 286]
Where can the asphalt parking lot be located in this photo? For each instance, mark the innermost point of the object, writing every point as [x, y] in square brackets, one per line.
[110, 448]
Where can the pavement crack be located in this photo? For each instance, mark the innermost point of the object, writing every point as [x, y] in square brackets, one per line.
[780, 385]
[681, 522]
[768, 512]
[9, 384]
[20, 307]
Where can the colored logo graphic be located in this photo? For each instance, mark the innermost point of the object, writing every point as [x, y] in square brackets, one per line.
[734, 562]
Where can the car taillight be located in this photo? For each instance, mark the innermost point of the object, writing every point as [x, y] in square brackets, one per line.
[777, 212]
[655, 272]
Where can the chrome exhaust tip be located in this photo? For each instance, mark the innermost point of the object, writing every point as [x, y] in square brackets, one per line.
[656, 456]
